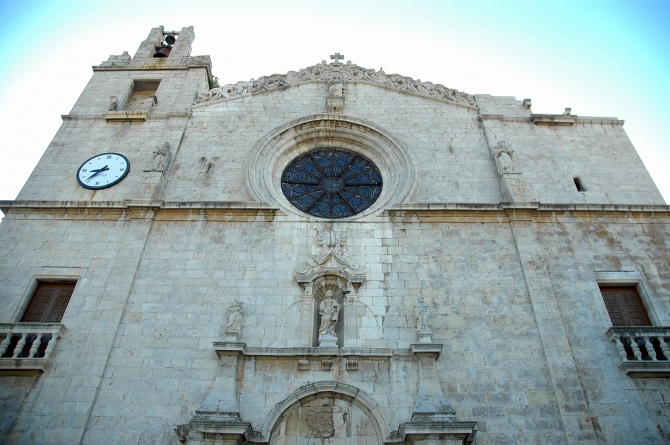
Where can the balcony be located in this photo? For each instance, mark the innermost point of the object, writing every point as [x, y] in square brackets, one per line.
[643, 350]
[26, 347]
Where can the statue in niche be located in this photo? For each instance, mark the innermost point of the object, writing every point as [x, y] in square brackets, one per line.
[162, 157]
[504, 157]
[423, 330]
[328, 309]
[235, 316]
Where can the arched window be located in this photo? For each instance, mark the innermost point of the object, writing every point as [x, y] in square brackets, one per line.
[579, 184]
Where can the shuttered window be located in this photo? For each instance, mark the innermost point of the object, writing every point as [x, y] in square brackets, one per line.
[48, 302]
[625, 306]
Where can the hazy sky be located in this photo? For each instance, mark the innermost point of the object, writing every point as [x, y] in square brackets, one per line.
[601, 58]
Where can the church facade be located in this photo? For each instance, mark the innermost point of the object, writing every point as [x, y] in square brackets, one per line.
[335, 255]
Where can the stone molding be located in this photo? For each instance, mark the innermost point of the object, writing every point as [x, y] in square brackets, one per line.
[247, 211]
[126, 116]
[266, 162]
[579, 120]
[119, 63]
[253, 211]
[337, 72]
[553, 119]
[228, 348]
[150, 117]
[531, 211]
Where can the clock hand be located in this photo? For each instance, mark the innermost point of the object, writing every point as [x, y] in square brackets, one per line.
[98, 171]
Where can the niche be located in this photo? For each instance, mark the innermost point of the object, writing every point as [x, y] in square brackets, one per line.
[143, 95]
[334, 287]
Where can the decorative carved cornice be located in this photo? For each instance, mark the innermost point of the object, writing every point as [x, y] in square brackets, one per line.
[338, 72]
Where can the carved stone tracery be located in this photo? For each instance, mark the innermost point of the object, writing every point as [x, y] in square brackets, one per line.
[338, 73]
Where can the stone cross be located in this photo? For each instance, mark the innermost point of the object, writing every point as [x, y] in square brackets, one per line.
[337, 57]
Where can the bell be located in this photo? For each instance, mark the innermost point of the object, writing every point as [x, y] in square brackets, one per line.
[164, 51]
[170, 40]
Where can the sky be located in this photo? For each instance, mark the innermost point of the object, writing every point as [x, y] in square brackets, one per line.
[600, 58]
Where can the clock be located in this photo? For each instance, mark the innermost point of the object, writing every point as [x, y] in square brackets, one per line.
[103, 170]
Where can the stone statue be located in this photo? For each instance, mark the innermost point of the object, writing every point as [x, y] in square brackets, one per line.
[328, 309]
[114, 103]
[423, 330]
[423, 324]
[336, 89]
[504, 157]
[162, 157]
[235, 316]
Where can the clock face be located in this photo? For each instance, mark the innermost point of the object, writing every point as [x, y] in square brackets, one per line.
[103, 170]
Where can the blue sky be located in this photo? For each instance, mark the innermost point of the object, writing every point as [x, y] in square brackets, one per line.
[601, 58]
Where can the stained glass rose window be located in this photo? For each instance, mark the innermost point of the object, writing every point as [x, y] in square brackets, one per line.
[331, 183]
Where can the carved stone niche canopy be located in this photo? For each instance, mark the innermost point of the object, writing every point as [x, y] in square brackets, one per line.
[330, 276]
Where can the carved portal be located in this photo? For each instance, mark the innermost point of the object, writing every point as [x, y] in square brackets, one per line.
[326, 420]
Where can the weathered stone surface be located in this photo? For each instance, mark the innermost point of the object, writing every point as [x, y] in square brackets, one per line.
[496, 260]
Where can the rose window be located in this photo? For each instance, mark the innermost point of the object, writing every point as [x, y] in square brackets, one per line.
[331, 183]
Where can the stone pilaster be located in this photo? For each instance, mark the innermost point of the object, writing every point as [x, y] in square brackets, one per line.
[570, 398]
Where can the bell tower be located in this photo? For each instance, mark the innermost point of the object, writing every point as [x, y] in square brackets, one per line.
[136, 106]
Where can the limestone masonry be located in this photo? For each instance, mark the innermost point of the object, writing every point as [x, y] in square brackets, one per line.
[335, 255]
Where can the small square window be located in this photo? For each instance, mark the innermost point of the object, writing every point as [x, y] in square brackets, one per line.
[48, 303]
[624, 306]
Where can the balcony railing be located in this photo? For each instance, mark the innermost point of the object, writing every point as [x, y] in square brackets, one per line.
[26, 347]
[644, 350]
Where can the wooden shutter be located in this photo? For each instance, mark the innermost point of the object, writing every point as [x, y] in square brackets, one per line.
[625, 306]
[48, 302]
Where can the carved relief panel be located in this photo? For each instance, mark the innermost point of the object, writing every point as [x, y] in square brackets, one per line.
[326, 420]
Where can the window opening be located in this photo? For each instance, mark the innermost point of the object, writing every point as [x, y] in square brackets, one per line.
[331, 183]
[624, 306]
[48, 302]
[579, 184]
[165, 47]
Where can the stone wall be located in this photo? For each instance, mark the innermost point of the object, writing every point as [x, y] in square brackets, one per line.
[501, 328]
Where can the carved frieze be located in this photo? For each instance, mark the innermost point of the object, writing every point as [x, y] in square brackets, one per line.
[338, 73]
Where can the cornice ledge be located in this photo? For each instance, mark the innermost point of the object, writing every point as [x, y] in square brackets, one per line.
[105, 116]
[606, 208]
[337, 72]
[553, 119]
[594, 120]
[234, 348]
[503, 118]
[214, 205]
[443, 207]
[532, 206]
[5, 206]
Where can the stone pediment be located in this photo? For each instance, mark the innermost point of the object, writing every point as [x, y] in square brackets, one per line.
[336, 72]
